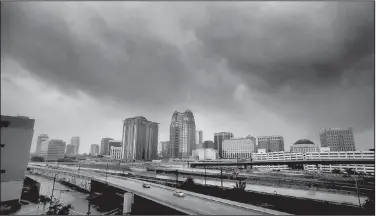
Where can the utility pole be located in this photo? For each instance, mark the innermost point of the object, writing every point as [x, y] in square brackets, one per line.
[106, 171]
[177, 174]
[53, 185]
[357, 190]
[221, 178]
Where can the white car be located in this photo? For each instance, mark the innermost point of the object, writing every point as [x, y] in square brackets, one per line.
[179, 194]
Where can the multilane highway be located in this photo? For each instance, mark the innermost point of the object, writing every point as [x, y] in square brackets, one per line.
[192, 203]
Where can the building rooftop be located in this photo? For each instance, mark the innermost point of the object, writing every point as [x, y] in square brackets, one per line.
[304, 141]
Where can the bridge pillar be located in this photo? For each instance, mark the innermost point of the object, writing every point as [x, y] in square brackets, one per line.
[127, 203]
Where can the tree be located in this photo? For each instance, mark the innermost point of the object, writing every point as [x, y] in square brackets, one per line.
[336, 171]
[57, 208]
[189, 183]
[240, 185]
[43, 199]
[369, 204]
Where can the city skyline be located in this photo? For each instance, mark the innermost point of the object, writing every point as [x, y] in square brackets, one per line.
[289, 83]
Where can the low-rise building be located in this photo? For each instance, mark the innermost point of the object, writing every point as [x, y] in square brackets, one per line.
[263, 156]
[115, 153]
[238, 148]
[52, 150]
[304, 146]
[205, 154]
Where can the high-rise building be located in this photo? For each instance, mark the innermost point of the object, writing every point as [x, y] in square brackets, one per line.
[271, 143]
[165, 147]
[94, 149]
[199, 138]
[218, 140]
[52, 150]
[16, 137]
[140, 139]
[182, 134]
[338, 139]
[239, 148]
[113, 143]
[75, 141]
[208, 144]
[105, 150]
[41, 138]
[69, 152]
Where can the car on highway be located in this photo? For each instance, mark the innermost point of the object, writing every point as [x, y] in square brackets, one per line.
[145, 185]
[179, 194]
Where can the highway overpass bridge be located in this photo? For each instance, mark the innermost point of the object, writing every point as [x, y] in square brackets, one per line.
[290, 163]
[191, 204]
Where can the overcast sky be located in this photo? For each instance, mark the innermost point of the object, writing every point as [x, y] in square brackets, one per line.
[259, 68]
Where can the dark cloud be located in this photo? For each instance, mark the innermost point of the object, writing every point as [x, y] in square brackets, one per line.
[313, 63]
[310, 63]
[299, 48]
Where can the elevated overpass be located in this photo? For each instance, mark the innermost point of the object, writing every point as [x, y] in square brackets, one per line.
[284, 162]
[191, 204]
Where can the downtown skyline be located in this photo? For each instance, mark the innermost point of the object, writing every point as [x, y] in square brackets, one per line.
[200, 56]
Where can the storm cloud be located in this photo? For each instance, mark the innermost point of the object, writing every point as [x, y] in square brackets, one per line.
[302, 64]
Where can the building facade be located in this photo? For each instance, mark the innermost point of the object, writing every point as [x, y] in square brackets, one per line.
[205, 154]
[303, 146]
[218, 140]
[105, 146]
[281, 155]
[116, 153]
[238, 148]
[114, 143]
[337, 139]
[140, 139]
[182, 135]
[199, 138]
[271, 143]
[41, 138]
[16, 137]
[75, 141]
[53, 150]
[165, 147]
[69, 152]
[208, 144]
[94, 150]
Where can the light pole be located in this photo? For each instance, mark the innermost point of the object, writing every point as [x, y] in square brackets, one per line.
[221, 178]
[205, 174]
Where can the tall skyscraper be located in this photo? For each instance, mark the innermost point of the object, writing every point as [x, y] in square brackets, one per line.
[94, 149]
[41, 138]
[218, 140]
[199, 139]
[271, 143]
[338, 139]
[53, 150]
[182, 134]
[75, 141]
[16, 137]
[140, 139]
[104, 146]
[69, 152]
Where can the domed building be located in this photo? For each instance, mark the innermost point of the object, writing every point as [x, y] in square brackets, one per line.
[303, 146]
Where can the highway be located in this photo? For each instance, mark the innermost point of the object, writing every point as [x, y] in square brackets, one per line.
[192, 203]
[284, 162]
